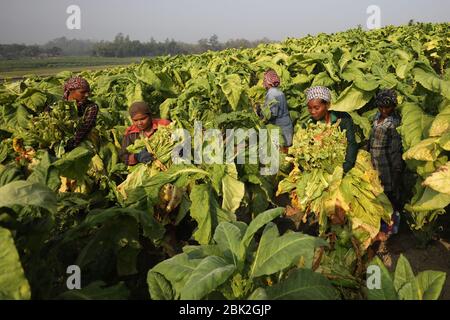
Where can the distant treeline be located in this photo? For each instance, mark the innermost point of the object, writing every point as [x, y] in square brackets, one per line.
[122, 46]
[14, 51]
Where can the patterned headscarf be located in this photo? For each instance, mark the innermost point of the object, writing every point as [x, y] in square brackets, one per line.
[73, 84]
[139, 107]
[318, 92]
[271, 79]
[386, 98]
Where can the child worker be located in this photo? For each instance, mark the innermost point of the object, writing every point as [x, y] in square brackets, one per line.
[143, 125]
[385, 147]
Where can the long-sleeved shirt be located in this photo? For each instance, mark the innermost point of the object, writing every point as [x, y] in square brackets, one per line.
[89, 113]
[346, 123]
[279, 113]
[385, 147]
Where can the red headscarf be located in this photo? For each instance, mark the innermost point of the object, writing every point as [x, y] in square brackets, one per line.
[271, 79]
[73, 84]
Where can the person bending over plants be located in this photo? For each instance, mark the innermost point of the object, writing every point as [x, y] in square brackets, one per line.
[275, 109]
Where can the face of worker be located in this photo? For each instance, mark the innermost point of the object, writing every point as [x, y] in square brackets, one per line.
[79, 95]
[142, 121]
[317, 109]
[386, 111]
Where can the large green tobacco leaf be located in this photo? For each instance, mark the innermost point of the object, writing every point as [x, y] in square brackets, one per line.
[137, 178]
[415, 125]
[404, 281]
[44, 172]
[366, 82]
[206, 211]
[428, 199]
[425, 150]
[403, 63]
[276, 253]
[10, 173]
[177, 270]
[33, 99]
[228, 237]
[257, 223]
[145, 74]
[440, 180]
[75, 164]
[133, 92]
[232, 88]
[430, 284]
[427, 285]
[444, 141]
[351, 99]
[432, 82]
[441, 124]
[387, 290]
[209, 274]
[13, 117]
[322, 79]
[13, 284]
[25, 193]
[303, 284]
[159, 287]
[98, 290]
[233, 191]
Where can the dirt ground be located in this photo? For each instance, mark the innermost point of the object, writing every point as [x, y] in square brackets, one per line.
[434, 256]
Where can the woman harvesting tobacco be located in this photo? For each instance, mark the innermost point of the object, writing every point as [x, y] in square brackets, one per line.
[77, 89]
[275, 108]
[318, 101]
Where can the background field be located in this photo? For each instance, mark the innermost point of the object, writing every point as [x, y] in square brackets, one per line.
[49, 66]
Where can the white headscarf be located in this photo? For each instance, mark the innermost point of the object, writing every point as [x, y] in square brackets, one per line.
[318, 92]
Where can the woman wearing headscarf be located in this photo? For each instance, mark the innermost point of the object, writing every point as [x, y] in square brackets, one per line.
[318, 100]
[77, 89]
[276, 103]
[143, 126]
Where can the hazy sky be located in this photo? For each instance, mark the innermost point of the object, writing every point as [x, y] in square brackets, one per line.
[37, 21]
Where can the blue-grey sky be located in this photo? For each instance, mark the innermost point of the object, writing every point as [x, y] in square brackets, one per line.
[37, 21]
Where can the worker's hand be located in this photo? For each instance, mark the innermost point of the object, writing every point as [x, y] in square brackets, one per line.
[144, 156]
